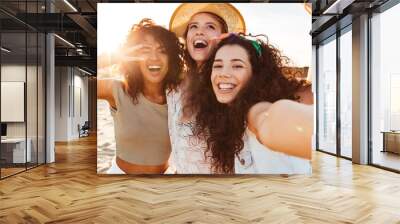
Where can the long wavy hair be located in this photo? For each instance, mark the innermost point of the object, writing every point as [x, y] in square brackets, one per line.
[174, 49]
[191, 68]
[223, 125]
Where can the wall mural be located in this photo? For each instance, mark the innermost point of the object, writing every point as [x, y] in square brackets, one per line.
[206, 88]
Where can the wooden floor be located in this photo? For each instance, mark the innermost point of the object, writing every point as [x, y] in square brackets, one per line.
[5, 172]
[387, 159]
[10, 171]
[70, 191]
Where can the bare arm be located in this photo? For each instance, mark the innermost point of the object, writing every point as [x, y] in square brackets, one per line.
[285, 126]
[104, 90]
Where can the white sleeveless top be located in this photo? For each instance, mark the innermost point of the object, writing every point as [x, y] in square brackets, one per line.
[256, 158]
[187, 151]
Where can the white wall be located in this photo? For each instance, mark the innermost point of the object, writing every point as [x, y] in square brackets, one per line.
[62, 81]
[33, 127]
[79, 117]
[16, 73]
[70, 83]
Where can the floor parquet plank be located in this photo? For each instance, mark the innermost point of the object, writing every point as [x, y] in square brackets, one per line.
[70, 191]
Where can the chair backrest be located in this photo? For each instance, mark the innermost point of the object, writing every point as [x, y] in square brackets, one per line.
[86, 125]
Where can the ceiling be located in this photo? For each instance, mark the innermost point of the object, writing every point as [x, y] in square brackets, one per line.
[73, 21]
[76, 22]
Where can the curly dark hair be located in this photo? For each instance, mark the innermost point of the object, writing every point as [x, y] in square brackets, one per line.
[223, 125]
[174, 49]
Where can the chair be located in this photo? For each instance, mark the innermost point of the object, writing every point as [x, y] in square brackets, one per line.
[84, 130]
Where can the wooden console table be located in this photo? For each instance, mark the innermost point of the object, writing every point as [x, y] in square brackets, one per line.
[391, 141]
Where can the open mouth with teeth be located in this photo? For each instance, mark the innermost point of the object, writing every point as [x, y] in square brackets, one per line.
[154, 68]
[200, 44]
[226, 86]
[225, 91]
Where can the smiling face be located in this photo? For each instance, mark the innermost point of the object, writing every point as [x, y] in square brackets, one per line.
[231, 71]
[202, 30]
[154, 60]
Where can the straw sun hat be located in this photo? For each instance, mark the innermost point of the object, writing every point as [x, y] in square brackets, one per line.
[180, 18]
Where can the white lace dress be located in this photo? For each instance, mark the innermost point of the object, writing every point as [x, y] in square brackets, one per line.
[187, 151]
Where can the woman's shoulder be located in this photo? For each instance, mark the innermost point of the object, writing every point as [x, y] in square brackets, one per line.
[174, 93]
[305, 94]
[117, 83]
[259, 107]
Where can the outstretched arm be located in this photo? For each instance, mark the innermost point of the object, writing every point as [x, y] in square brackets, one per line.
[105, 86]
[285, 126]
[104, 90]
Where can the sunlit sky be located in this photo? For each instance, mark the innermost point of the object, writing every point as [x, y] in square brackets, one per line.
[286, 25]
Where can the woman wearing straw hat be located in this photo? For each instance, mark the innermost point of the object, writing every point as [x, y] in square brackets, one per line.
[200, 25]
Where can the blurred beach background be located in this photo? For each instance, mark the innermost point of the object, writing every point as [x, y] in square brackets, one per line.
[105, 137]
